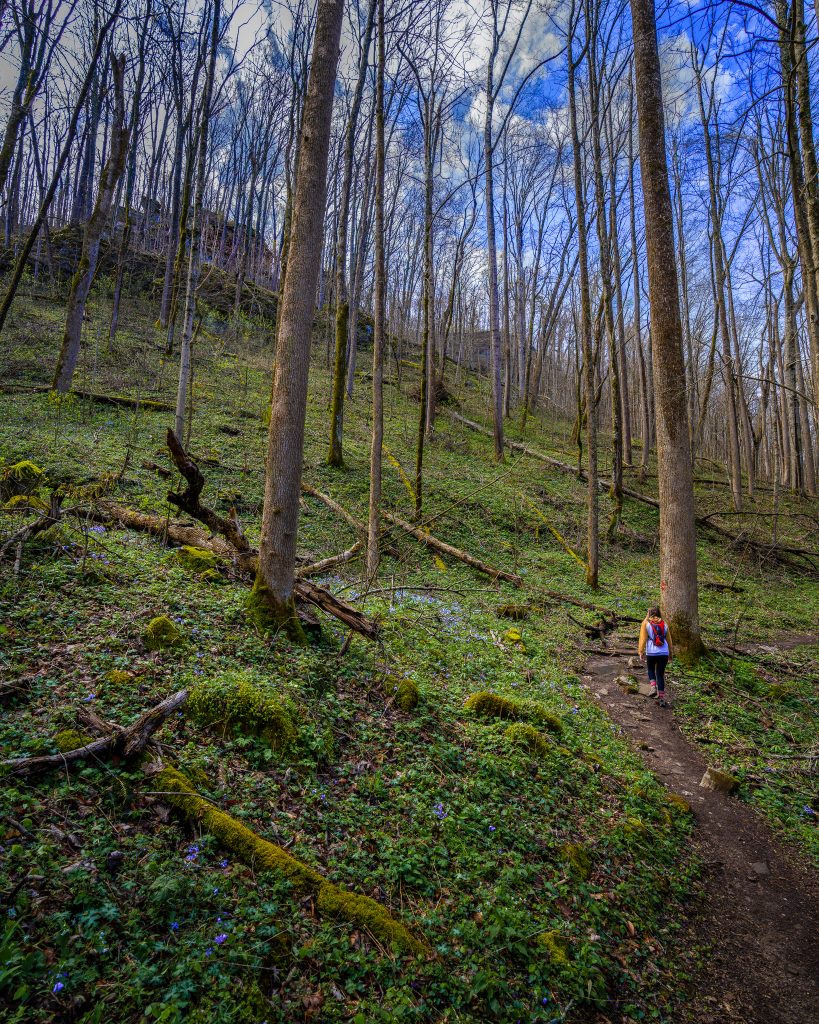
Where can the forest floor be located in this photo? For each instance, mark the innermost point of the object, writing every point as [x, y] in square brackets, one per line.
[758, 908]
[551, 884]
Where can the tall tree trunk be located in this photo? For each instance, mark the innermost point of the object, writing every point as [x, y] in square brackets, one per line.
[84, 274]
[592, 525]
[379, 315]
[678, 541]
[272, 596]
[335, 456]
[492, 262]
[195, 256]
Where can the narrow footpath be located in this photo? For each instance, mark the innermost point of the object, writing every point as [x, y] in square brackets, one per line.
[758, 914]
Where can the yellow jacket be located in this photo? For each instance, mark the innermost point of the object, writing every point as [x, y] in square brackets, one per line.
[641, 646]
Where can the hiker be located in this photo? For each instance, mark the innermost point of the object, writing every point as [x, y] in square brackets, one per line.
[655, 647]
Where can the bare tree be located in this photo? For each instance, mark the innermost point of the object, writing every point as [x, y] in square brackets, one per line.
[678, 547]
[92, 234]
[272, 597]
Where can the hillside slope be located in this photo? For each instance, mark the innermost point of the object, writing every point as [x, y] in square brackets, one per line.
[541, 863]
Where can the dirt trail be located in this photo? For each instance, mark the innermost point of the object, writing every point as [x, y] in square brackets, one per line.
[759, 911]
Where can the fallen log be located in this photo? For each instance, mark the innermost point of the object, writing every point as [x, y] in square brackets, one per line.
[127, 742]
[262, 855]
[123, 401]
[244, 562]
[358, 525]
[453, 552]
[787, 555]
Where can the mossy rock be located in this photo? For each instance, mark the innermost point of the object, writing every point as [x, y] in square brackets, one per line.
[514, 636]
[525, 736]
[26, 501]
[492, 705]
[516, 612]
[679, 803]
[70, 739]
[403, 691]
[578, 860]
[161, 633]
[556, 945]
[236, 702]
[720, 782]
[198, 561]
[260, 855]
[119, 677]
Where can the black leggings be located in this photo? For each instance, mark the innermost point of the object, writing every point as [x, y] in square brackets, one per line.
[656, 669]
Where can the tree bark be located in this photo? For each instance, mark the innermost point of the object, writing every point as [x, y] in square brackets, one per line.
[678, 550]
[379, 315]
[272, 601]
[84, 274]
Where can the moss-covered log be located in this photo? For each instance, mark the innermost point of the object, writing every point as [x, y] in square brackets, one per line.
[262, 855]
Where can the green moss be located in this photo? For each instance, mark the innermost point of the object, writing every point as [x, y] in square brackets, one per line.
[235, 701]
[261, 855]
[403, 691]
[198, 561]
[270, 615]
[556, 945]
[578, 859]
[679, 803]
[492, 705]
[636, 832]
[780, 691]
[521, 734]
[367, 913]
[70, 739]
[20, 478]
[517, 612]
[161, 633]
[119, 677]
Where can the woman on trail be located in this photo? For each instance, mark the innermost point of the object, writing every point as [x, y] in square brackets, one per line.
[655, 647]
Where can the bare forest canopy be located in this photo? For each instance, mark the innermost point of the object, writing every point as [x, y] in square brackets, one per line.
[367, 369]
[477, 107]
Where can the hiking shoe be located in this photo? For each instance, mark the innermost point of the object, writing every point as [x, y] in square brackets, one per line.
[653, 692]
[663, 703]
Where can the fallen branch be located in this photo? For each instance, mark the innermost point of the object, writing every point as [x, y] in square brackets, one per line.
[328, 563]
[261, 855]
[358, 525]
[244, 562]
[123, 401]
[188, 501]
[447, 549]
[47, 519]
[127, 742]
[786, 555]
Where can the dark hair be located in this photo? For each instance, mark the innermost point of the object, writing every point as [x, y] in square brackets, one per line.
[654, 612]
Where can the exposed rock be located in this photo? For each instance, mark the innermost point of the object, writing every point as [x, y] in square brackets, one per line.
[720, 782]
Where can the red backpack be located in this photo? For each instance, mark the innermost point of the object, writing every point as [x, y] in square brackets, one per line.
[657, 632]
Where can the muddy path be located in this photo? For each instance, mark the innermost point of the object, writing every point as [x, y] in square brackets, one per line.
[758, 913]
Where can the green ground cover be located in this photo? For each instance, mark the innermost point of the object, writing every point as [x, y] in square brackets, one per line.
[549, 879]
